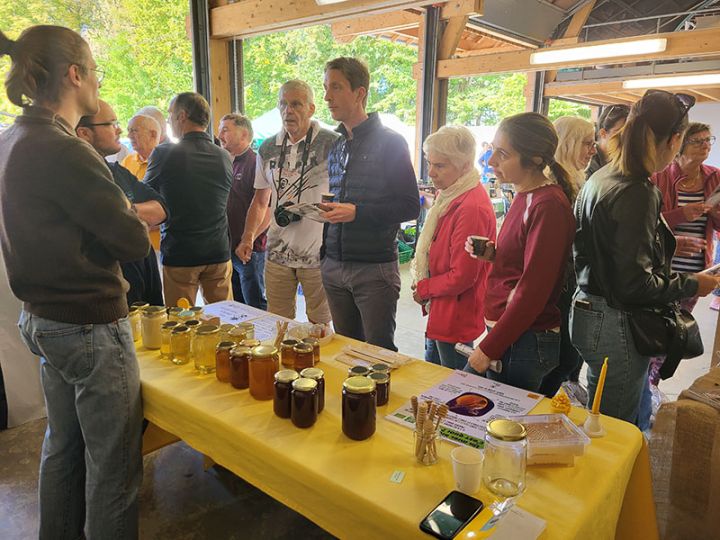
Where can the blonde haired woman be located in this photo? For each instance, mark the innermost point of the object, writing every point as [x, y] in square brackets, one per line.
[576, 146]
[448, 284]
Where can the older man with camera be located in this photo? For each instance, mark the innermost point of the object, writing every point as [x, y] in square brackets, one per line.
[291, 169]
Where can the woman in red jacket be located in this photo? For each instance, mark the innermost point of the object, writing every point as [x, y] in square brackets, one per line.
[449, 285]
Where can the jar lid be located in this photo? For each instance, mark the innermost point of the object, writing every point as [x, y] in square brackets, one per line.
[262, 351]
[132, 310]
[506, 430]
[312, 373]
[304, 385]
[196, 309]
[225, 345]
[175, 309]
[186, 314]
[180, 329]
[288, 343]
[359, 385]
[240, 350]
[246, 325]
[207, 329]
[380, 368]
[312, 341]
[250, 343]
[303, 348]
[139, 305]
[286, 375]
[155, 311]
[361, 371]
[226, 327]
[170, 324]
[192, 323]
[237, 332]
[379, 378]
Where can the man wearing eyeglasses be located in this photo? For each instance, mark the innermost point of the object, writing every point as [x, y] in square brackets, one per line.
[374, 184]
[102, 131]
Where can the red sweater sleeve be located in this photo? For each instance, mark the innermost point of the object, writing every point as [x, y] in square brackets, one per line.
[464, 270]
[550, 233]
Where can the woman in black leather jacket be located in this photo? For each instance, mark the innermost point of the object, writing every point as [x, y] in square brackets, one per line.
[623, 250]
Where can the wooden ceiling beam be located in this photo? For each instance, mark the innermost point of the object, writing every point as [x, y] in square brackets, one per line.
[694, 43]
[573, 31]
[710, 93]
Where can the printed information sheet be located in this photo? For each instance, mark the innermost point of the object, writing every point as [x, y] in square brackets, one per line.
[473, 401]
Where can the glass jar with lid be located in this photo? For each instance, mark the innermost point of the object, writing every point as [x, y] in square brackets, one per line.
[252, 343]
[225, 329]
[248, 328]
[303, 356]
[134, 316]
[283, 388]
[358, 371]
[180, 345]
[358, 407]
[165, 333]
[192, 324]
[317, 375]
[287, 353]
[505, 457]
[153, 318]
[185, 315]
[304, 407]
[207, 336]
[197, 312]
[174, 313]
[222, 361]
[263, 366]
[140, 305]
[315, 342]
[236, 334]
[382, 385]
[240, 366]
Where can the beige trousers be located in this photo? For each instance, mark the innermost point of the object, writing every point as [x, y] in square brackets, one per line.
[184, 282]
[281, 283]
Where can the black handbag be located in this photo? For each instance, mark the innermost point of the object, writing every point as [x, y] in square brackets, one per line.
[666, 331]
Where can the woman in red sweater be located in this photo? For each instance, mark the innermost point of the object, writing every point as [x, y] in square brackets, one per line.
[530, 257]
[449, 285]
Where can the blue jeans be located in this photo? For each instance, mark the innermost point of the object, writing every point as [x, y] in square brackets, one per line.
[252, 279]
[602, 331]
[528, 361]
[443, 353]
[91, 462]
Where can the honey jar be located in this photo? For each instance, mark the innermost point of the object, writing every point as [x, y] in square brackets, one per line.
[248, 328]
[263, 366]
[358, 407]
[317, 375]
[225, 332]
[283, 388]
[287, 353]
[315, 342]
[180, 345]
[134, 316]
[152, 319]
[304, 357]
[174, 313]
[165, 333]
[240, 366]
[303, 409]
[222, 361]
[359, 371]
[382, 386]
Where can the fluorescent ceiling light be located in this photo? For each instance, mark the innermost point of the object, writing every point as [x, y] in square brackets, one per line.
[326, 2]
[679, 80]
[597, 52]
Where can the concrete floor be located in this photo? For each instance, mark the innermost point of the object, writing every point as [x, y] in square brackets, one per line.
[180, 500]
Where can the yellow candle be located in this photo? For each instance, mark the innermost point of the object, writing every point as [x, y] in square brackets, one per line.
[599, 390]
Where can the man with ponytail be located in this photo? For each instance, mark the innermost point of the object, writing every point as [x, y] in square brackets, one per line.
[532, 250]
[623, 252]
[74, 313]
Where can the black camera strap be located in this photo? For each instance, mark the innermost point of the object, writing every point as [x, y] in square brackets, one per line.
[300, 182]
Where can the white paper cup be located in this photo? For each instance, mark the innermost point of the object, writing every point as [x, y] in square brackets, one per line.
[467, 469]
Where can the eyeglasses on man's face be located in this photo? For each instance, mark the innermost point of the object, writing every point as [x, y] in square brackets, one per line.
[115, 124]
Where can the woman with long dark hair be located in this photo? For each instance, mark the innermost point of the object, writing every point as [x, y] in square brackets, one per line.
[623, 250]
[530, 258]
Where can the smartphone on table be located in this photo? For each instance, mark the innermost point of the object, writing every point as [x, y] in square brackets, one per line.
[451, 515]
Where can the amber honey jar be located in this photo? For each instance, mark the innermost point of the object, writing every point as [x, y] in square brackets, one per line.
[358, 407]
[315, 342]
[304, 406]
[358, 371]
[222, 361]
[382, 387]
[287, 353]
[240, 366]
[263, 366]
[283, 388]
[317, 375]
[303, 356]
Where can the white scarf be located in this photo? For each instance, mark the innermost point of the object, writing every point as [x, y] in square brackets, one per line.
[420, 266]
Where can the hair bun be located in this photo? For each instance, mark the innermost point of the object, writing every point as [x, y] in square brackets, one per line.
[7, 45]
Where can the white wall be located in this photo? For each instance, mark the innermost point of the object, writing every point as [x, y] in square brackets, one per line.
[709, 113]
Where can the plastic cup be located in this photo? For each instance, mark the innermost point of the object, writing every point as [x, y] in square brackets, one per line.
[467, 469]
[479, 243]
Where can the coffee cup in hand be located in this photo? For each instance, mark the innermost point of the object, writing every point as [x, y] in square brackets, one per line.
[479, 243]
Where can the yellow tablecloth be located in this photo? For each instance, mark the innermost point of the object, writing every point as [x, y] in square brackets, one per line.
[344, 486]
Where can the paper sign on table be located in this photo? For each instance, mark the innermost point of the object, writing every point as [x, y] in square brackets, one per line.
[473, 402]
[233, 312]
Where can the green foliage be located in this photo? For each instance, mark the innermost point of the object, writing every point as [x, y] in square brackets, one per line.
[559, 107]
[476, 101]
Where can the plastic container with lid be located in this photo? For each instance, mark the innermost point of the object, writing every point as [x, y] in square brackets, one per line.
[552, 439]
[304, 406]
[505, 457]
[358, 407]
[317, 375]
[283, 388]
[263, 366]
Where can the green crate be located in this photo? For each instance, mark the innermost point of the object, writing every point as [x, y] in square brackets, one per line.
[405, 252]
